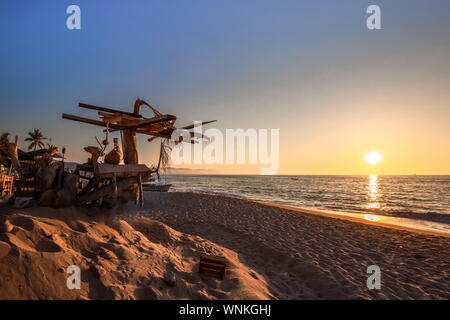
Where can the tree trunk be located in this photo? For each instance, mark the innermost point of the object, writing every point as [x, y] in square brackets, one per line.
[130, 152]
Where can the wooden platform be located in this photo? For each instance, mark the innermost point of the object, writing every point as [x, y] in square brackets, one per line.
[123, 170]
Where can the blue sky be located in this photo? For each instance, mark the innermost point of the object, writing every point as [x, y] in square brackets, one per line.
[301, 66]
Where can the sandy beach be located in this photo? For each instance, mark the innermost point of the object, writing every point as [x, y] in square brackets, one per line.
[153, 253]
[308, 256]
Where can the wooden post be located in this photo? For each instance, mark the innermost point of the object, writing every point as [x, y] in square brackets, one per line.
[130, 152]
[141, 192]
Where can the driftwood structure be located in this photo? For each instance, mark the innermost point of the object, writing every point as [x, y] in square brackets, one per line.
[103, 180]
[110, 182]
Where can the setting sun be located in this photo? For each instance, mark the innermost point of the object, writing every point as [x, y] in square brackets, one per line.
[373, 157]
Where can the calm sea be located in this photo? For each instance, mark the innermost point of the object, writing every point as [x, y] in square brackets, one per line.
[421, 197]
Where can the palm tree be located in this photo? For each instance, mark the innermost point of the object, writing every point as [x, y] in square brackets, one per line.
[51, 147]
[36, 139]
[4, 139]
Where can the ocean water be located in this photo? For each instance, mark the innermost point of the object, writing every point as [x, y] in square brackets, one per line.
[419, 197]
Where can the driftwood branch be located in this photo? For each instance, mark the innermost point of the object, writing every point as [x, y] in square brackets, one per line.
[90, 121]
[88, 106]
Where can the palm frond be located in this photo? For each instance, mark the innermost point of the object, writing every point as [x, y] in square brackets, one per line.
[4, 138]
[36, 138]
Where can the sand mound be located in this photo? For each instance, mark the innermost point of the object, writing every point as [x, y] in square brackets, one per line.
[125, 258]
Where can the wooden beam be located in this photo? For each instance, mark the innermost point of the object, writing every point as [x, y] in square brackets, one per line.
[146, 122]
[143, 124]
[108, 117]
[90, 121]
[121, 168]
[88, 106]
[129, 123]
[124, 116]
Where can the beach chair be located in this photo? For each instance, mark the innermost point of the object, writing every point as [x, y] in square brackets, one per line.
[212, 265]
[7, 185]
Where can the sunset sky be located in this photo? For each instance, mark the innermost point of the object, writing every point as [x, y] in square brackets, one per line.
[312, 69]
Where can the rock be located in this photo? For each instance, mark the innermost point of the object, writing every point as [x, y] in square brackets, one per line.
[45, 177]
[63, 199]
[66, 197]
[169, 278]
[22, 203]
[47, 198]
[109, 202]
[71, 182]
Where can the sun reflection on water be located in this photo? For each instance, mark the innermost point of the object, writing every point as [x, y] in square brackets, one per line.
[373, 193]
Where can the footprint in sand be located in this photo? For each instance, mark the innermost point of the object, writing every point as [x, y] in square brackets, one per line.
[48, 246]
[23, 222]
[77, 226]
